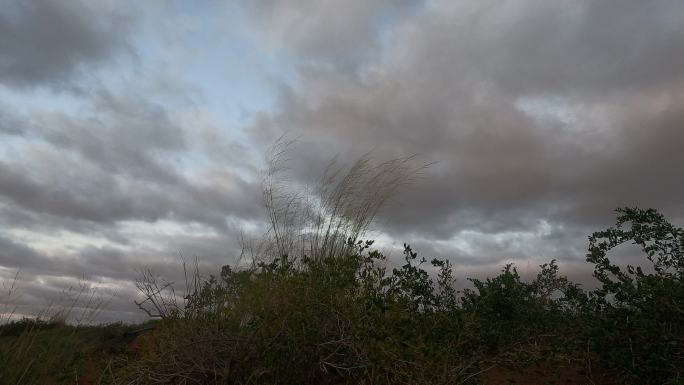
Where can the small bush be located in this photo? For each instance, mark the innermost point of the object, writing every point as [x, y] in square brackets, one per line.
[637, 320]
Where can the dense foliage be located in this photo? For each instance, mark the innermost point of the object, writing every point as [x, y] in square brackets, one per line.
[354, 319]
[636, 319]
[350, 319]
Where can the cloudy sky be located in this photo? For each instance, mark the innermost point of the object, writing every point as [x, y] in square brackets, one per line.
[133, 132]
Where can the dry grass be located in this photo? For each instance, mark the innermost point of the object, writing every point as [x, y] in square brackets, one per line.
[313, 222]
[50, 344]
[317, 222]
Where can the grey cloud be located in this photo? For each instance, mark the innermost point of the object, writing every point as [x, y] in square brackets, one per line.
[105, 200]
[539, 47]
[327, 34]
[122, 136]
[9, 123]
[90, 263]
[124, 161]
[49, 42]
[47, 295]
[449, 82]
[13, 254]
[31, 194]
[101, 199]
[13, 216]
[120, 161]
[49, 283]
[589, 46]
[449, 87]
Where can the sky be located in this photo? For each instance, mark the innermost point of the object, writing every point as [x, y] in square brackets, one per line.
[134, 134]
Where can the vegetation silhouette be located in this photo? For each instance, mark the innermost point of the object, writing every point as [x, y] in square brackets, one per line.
[350, 319]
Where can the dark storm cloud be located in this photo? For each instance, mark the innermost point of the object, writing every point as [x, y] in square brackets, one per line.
[458, 84]
[44, 42]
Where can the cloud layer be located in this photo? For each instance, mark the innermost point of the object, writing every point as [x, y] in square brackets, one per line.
[535, 110]
[52, 42]
[541, 116]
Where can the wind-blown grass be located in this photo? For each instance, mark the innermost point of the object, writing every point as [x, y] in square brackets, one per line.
[318, 222]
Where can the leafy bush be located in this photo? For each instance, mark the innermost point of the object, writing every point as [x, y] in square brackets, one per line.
[348, 318]
[637, 323]
[344, 319]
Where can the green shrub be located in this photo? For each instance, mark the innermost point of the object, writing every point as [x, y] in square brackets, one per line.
[637, 323]
[348, 319]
